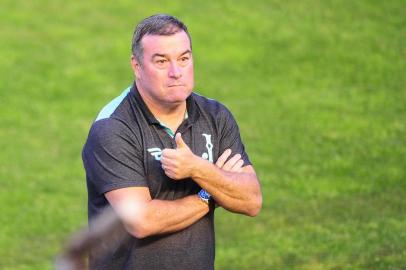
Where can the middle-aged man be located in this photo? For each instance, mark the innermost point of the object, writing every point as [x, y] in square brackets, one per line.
[163, 157]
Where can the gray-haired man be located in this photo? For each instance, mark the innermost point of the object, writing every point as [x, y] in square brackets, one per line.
[160, 155]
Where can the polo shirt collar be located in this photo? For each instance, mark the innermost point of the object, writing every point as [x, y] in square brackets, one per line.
[191, 107]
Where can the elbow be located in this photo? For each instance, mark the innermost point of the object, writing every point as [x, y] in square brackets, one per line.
[138, 231]
[249, 207]
[139, 228]
[140, 234]
[255, 207]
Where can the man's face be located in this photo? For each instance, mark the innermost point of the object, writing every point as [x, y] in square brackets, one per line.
[165, 76]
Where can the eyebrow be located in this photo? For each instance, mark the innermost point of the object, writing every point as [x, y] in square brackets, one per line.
[164, 55]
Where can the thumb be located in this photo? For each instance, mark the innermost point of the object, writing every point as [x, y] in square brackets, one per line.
[179, 141]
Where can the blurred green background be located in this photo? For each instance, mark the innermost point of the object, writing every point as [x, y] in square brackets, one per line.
[318, 88]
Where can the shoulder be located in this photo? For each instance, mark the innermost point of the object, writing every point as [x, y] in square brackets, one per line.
[113, 105]
[108, 127]
[109, 132]
[116, 121]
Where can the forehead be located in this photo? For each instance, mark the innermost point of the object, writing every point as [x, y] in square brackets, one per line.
[168, 45]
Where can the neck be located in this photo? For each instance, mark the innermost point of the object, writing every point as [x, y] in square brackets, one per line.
[172, 116]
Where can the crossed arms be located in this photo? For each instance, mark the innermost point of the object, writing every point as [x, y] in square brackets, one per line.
[232, 186]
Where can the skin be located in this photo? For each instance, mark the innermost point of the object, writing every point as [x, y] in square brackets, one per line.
[165, 79]
[237, 191]
[144, 216]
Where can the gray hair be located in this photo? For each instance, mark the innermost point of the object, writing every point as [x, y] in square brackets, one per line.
[159, 24]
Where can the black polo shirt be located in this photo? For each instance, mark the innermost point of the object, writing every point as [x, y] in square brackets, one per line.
[123, 149]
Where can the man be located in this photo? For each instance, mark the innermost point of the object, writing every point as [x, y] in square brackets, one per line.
[150, 156]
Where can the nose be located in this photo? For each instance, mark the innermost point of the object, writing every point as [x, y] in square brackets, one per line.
[174, 71]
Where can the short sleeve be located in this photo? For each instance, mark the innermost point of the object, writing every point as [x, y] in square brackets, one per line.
[112, 157]
[230, 137]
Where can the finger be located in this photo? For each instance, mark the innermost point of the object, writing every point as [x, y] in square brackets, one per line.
[169, 173]
[237, 166]
[167, 169]
[165, 161]
[169, 163]
[220, 161]
[229, 164]
[168, 153]
[179, 141]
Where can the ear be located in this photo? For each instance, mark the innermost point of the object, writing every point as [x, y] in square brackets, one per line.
[135, 66]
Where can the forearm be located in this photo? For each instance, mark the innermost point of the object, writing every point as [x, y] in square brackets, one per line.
[235, 191]
[161, 216]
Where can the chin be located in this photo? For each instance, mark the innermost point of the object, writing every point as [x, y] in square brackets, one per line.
[180, 96]
[177, 100]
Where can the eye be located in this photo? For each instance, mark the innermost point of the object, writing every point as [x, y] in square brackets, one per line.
[184, 60]
[161, 62]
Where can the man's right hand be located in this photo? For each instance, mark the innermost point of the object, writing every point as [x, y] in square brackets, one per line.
[234, 164]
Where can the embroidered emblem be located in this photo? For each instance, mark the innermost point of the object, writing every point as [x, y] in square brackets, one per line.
[209, 146]
[155, 152]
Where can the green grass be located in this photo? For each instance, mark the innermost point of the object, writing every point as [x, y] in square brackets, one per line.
[317, 87]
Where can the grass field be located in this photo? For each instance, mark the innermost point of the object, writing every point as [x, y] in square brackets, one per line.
[318, 88]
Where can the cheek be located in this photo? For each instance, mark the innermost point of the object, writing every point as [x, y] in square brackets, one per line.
[189, 72]
[155, 78]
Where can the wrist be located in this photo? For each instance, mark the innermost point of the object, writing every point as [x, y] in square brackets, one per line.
[204, 196]
[199, 166]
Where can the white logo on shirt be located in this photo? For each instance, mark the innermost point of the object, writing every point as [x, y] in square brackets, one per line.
[155, 152]
[209, 146]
